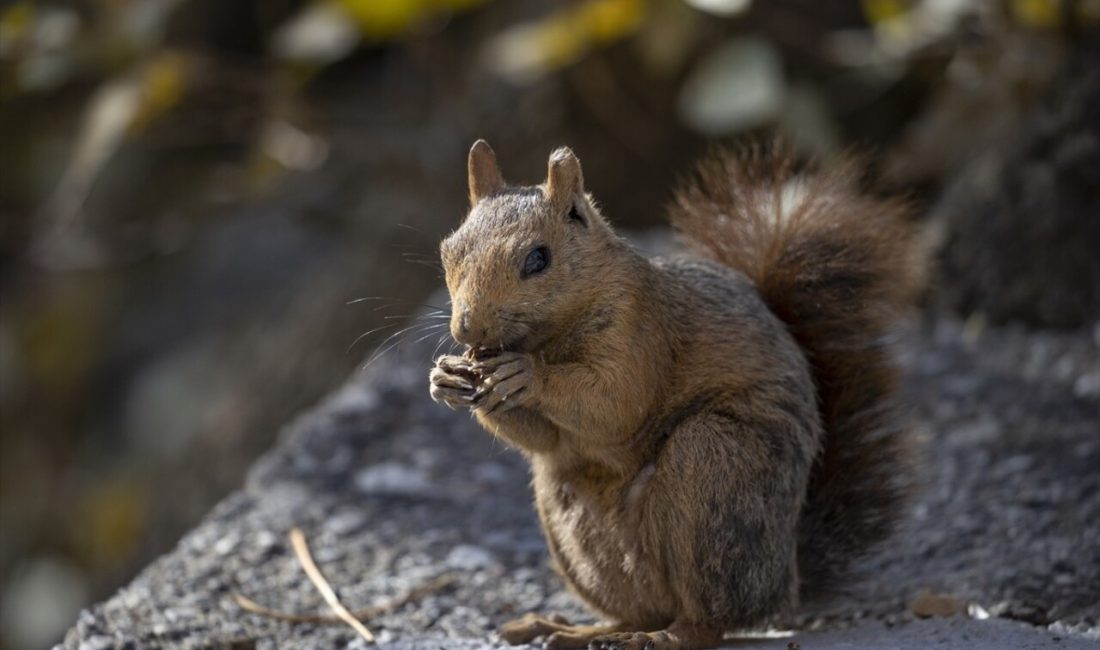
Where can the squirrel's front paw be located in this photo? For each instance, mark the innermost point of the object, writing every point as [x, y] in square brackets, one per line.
[453, 381]
[508, 380]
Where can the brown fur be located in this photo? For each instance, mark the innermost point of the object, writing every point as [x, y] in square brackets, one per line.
[839, 270]
[671, 419]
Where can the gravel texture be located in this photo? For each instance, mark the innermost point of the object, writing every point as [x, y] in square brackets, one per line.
[394, 491]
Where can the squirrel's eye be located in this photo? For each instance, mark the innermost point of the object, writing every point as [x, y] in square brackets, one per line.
[537, 260]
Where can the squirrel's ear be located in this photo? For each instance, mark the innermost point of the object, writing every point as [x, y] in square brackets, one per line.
[484, 175]
[564, 180]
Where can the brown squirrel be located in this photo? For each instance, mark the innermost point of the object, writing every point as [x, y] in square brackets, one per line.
[711, 438]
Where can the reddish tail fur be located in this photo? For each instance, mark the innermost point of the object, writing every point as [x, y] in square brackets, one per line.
[839, 269]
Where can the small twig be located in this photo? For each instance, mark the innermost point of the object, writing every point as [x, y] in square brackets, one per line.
[249, 605]
[301, 549]
[342, 615]
[246, 603]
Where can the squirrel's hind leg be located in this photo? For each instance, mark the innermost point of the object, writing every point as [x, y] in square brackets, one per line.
[560, 635]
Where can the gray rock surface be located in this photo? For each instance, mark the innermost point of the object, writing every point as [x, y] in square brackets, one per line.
[394, 491]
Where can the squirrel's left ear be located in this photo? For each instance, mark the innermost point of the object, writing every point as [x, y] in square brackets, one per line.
[564, 180]
[482, 172]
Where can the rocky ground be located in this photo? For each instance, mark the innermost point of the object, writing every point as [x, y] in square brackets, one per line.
[394, 491]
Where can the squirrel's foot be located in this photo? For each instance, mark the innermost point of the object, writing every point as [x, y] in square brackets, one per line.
[634, 641]
[676, 637]
[559, 634]
[453, 382]
[530, 627]
[507, 380]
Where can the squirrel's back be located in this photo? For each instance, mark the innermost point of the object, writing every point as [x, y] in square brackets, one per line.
[839, 269]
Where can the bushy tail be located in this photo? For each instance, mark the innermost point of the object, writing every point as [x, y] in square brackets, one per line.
[839, 269]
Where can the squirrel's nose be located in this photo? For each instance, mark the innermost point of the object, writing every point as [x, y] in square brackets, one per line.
[460, 325]
[464, 322]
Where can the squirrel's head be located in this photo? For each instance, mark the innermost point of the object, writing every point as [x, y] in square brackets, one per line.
[526, 259]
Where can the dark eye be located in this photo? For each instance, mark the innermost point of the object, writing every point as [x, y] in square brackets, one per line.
[537, 260]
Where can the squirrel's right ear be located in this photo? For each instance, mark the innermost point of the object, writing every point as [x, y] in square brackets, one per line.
[484, 175]
[564, 179]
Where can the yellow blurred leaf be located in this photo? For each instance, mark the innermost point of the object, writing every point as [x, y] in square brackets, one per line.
[112, 515]
[665, 38]
[18, 16]
[162, 84]
[15, 23]
[58, 334]
[528, 50]
[459, 5]
[558, 43]
[1037, 14]
[380, 20]
[609, 20]
[59, 349]
[880, 11]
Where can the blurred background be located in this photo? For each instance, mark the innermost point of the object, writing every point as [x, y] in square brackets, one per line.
[204, 204]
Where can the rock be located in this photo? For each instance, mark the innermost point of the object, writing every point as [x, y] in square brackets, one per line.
[97, 642]
[393, 478]
[1011, 502]
[469, 557]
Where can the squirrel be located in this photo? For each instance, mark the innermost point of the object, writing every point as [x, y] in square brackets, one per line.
[714, 437]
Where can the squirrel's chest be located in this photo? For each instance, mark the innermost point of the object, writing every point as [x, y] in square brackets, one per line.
[601, 547]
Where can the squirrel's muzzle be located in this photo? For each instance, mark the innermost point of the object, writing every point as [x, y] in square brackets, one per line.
[463, 323]
[463, 328]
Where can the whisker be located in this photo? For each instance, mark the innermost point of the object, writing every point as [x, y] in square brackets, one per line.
[380, 353]
[397, 301]
[365, 299]
[411, 254]
[368, 333]
[434, 330]
[439, 344]
[396, 334]
[418, 316]
[430, 265]
[434, 310]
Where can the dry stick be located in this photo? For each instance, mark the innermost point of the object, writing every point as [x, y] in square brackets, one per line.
[246, 603]
[301, 549]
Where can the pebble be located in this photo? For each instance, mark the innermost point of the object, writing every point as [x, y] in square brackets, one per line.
[97, 642]
[468, 557]
[225, 545]
[345, 522]
[264, 539]
[393, 478]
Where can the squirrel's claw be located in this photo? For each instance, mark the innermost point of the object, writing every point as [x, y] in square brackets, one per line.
[505, 382]
[450, 389]
[636, 641]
